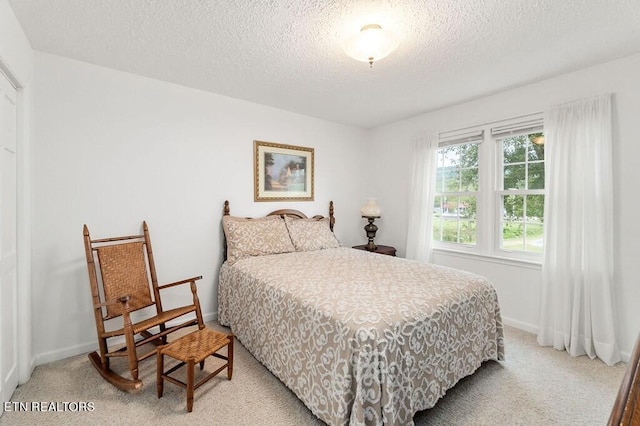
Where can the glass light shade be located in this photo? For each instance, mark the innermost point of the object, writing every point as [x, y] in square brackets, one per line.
[372, 43]
[538, 140]
[371, 208]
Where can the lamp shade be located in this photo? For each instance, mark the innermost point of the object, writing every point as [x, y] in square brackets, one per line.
[372, 43]
[371, 208]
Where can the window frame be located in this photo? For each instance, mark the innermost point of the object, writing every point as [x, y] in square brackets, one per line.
[456, 138]
[490, 191]
[459, 194]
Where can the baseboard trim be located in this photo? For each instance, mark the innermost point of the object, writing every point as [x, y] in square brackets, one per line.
[520, 325]
[62, 353]
[625, 356]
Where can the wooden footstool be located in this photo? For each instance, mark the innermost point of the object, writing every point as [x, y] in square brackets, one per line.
[191, 349]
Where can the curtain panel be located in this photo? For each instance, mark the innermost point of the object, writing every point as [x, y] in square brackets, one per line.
[421, 197]
[577, 273]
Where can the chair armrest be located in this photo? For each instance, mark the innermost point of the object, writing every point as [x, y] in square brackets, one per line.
[123, 300]
[188, 280]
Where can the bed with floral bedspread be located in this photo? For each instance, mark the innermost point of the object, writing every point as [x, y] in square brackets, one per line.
[359, 337]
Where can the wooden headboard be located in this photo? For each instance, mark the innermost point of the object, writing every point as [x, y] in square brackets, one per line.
[281, 212]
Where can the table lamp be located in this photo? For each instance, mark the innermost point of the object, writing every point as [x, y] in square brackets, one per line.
[371, 212]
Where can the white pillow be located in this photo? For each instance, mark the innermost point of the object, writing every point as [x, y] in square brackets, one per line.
[311, 234]
[255, 237]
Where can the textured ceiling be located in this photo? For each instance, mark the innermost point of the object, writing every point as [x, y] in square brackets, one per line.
[288, 53]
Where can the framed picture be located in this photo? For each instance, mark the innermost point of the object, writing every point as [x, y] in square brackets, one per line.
[282, 172]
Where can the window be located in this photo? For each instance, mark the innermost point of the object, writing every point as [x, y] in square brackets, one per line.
[489, 195]
[456, 194]
[522, 192]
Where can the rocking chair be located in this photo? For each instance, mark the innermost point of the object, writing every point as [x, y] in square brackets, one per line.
[119, 271]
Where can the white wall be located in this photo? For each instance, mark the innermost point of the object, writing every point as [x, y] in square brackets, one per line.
[16, 61]
[519, 288]
[112, 149]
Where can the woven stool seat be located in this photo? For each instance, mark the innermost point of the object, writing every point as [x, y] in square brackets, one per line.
[191, 349]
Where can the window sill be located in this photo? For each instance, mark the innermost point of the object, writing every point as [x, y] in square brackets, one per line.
[509, 261]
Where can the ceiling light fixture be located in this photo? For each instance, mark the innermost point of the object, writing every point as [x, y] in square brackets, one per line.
[372, 43]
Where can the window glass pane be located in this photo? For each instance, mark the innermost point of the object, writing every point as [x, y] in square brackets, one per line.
[446, 154]
[520, 233]
[450, 156]
[535, 208]
[437, 228]
[450, 207]
[451, 180]
[536, 176]
[449, 229]
[439, 181]
[512, 236]
[468, 232]
[536, 147]
[514, 149]
[467, 207]
[514, 176]
[469, 155]
[437, 219]
[437, 206]
[534, 238]
[469, 179]
[512, 206]
[459, 168]
[454, 219]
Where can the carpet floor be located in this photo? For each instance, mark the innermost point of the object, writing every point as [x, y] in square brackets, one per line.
[533, 386]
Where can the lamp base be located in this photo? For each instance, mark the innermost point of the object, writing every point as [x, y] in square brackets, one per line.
[371, 229]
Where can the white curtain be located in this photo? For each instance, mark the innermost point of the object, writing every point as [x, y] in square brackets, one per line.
[421, 200]
[577, 273]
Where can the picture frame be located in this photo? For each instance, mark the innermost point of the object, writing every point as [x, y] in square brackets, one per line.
[282, 172]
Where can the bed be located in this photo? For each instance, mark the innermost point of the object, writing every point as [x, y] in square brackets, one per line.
[359, 337]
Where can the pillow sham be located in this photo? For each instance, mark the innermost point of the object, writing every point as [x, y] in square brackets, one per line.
[310, 234]
[255, 237]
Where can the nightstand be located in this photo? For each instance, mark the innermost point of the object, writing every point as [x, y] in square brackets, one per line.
[388, 250]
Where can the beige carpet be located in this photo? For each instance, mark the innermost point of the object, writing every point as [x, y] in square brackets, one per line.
[534, 386]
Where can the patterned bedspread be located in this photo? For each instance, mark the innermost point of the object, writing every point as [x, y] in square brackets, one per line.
[361, 338]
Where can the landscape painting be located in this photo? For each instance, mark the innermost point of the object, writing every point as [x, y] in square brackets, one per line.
[282, 172]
